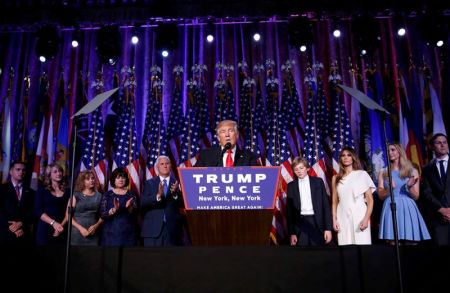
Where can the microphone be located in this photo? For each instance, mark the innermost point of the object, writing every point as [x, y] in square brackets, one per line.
[226, 147]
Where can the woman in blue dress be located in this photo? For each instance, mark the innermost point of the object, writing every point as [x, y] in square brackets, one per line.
[86, 207]
[118, 209]
[50, 207]
[405, 185]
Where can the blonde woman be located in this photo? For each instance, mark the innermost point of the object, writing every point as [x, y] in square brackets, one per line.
[405, 186]
[352, 201]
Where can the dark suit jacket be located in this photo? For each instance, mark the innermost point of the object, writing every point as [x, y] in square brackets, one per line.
[320, 202]
[153, 211]
[434, 194]
[11, 209]
[212, 157]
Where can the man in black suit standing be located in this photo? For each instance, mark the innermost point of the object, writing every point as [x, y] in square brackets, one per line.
[226, 154]
[308, 208]
[16, 208]
[435, 190]
[160, 206]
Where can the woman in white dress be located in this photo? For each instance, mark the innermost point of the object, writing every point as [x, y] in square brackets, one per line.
[352, 200]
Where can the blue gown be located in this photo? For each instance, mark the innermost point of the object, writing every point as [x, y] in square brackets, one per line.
[411, 225]
[118, 229]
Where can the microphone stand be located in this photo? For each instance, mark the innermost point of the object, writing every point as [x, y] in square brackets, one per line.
[393, 206]
[70, 210]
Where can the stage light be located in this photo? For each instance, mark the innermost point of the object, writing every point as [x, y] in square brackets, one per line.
[134, 40]
[363, 52]
[440, 43]
[42, 59]
[166, 37]
[108, 44]
[210, 31]
[303, 48]
[336, 33]
[401, 32]
[165, 53]
[433, 29]
[75, 44]
[300, 32]
[48, 41]
[210, 38]
[256, 37]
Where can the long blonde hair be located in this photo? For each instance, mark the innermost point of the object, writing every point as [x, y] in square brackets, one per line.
[404, 165]
[356, 165]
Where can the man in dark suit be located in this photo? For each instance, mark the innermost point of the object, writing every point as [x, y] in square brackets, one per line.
[160, 205]
[16, 208]
[435, 191]
[226, 154]
[308, 208]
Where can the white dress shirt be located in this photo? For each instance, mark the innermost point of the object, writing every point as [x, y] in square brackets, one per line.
[304, 189]
[224, 157]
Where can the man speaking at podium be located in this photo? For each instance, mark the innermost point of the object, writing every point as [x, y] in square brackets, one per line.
[226, 154]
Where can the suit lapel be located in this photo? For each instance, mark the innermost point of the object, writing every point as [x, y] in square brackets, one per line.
[238, 157]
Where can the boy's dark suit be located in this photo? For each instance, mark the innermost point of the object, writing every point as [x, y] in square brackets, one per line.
[11, 209]
[321, 207]
[433, 196]
[213, 157]
[154, 212]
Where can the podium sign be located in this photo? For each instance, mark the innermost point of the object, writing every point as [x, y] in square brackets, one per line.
[237, 188]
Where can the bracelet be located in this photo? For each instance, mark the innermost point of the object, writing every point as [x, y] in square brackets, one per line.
[52, 222]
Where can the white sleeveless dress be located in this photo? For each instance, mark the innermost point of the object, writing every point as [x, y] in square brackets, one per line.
[352, 208]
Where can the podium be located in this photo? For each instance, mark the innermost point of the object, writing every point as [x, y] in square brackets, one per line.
[229, 206]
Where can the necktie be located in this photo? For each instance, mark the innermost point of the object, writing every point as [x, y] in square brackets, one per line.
[17, 191]
[165, 186]
[229, 161]
[442, 171]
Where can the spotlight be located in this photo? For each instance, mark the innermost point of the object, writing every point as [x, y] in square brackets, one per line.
[108, 44]
[363, 52]
[112, 61]
[401, 32]
[165, 53]
[256, 37]
[440, 43]
[365, 30]
[134, 40]
[302, 48]
[210, 38]
[42, 59]
[336, 33]
[74, 43]
[433, 28]
[209, 31]
[48, 42]
[166, 37]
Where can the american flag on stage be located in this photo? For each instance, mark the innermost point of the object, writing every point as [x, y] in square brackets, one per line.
[93, 155]
[246, 120]
[259, 114]
[154, 140]
[19, 153]
[278, 154]
[190, 137]
[314, 152]
[127, 149]
[291, 109]
[341, 132]
[202, 102]
[62, 127]
[175, 122]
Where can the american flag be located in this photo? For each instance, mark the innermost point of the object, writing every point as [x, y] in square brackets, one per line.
[259, 114]
[291, 108]
[175, 122]
[127, 149]
[202, 102]
[314, 152]
[154, 140]
[246, 126]
[190, 137]
[278, 154]
[93, 155]
[225, 108]
[341, 131]
[19, 153]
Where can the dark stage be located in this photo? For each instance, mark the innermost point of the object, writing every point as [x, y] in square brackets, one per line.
[226, 269]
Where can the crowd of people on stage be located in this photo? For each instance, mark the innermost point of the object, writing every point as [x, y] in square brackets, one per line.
[119, 217]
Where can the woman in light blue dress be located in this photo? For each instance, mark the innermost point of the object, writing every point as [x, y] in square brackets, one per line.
[405, 185]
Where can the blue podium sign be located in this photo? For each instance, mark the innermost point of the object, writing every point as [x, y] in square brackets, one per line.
[237, 188]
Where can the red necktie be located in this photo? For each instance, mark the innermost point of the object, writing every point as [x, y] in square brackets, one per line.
[18, 191]
[229, 161]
